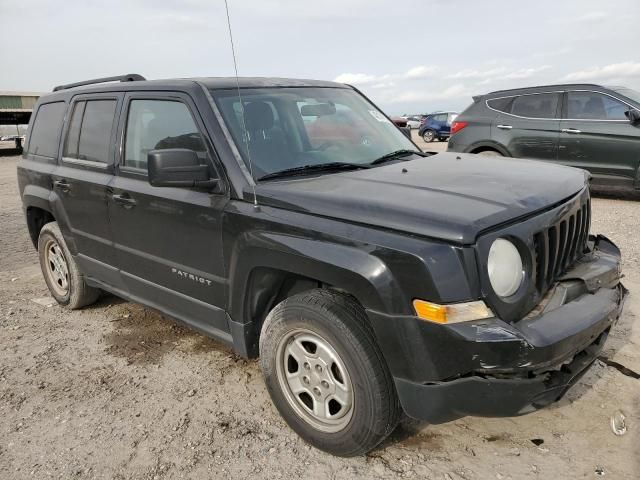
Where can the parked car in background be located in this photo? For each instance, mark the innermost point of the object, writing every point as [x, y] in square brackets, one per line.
[580, 125]
[414, 121]
[436, 126]
[401, 123]
[17, 139]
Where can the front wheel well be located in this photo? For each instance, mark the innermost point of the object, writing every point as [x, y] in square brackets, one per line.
[36, 219]
[267, 287]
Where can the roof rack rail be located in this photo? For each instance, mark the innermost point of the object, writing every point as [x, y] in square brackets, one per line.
[130, 77]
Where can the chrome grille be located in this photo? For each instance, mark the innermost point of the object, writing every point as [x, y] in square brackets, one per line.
[559, 246]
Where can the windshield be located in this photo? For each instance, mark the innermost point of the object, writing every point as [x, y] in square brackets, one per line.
[629, 93]
[307, 126]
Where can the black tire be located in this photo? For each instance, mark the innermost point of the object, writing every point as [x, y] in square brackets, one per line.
[428, 135]
[55, 257]
[490, 153]
[340, 321]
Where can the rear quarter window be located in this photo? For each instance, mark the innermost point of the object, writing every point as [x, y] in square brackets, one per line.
[45, 131]
[501, 104]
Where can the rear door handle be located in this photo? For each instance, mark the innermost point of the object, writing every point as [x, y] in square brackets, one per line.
[505, 127]
[62, 185]
[570, 130]
[124, 200]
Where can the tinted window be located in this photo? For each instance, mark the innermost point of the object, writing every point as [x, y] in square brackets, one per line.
[544, 105]
[500, 104]
[73, 134]
[158, 125]
[95, 133]
[594, 106]
[46, 129]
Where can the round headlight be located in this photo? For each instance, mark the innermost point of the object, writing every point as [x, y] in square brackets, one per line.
[505, 267]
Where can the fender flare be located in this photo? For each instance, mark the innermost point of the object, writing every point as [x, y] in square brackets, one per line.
[49, 201]
[342, 266]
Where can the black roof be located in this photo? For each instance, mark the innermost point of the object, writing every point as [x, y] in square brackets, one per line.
[258, 82]
[125, 82]
[129, 83]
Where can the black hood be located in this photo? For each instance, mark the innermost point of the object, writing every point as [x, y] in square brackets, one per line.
[449, 196]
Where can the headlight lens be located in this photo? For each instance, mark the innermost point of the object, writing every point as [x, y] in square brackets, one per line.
[505, 267]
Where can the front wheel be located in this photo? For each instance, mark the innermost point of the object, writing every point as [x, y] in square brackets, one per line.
[60, 271]
[429, 136]
[326, 374]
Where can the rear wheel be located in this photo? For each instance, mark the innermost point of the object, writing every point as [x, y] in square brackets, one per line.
[428, 136]
[490, 153]
[325, 373]
[60, 271]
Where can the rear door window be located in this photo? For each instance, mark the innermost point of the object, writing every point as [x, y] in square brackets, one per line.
[542, 105]
[594, 106]
[45, 131]
[89, 133]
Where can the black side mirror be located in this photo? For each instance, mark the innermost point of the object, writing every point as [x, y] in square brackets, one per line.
[633, 115]
[178, 167]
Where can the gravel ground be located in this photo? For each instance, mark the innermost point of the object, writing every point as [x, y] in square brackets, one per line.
[117, 391]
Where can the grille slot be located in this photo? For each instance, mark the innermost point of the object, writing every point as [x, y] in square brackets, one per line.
[560, 245]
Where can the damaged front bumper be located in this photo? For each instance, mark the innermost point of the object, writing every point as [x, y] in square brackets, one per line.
[494, 368]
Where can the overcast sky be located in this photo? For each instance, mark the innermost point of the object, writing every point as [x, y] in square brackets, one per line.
[408, 56]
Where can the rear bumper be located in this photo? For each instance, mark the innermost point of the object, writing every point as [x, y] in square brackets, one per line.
[492, 368]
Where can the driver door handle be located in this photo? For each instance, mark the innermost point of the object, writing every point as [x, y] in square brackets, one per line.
[570, 130]
[124, 200]
[62, 185]
[505, 127]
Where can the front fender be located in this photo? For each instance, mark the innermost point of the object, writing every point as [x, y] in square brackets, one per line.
[345, 267]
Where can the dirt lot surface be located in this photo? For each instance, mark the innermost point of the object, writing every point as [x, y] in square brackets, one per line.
[117, 391]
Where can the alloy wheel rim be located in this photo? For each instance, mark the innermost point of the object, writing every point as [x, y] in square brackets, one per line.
[56, 268]
[428, 136]
[315, 380]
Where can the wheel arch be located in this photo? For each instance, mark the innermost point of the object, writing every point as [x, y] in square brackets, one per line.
[37, 217]
[488, 145]
[261, 277]
[42, 206]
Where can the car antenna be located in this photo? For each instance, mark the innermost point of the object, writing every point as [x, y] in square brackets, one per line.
[245, 134]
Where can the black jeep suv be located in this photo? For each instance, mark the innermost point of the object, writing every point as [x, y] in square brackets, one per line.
[369, 277]
[580, 125]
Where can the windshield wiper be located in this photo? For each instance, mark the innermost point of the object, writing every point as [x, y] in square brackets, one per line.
[319, 167]
[395, 155]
